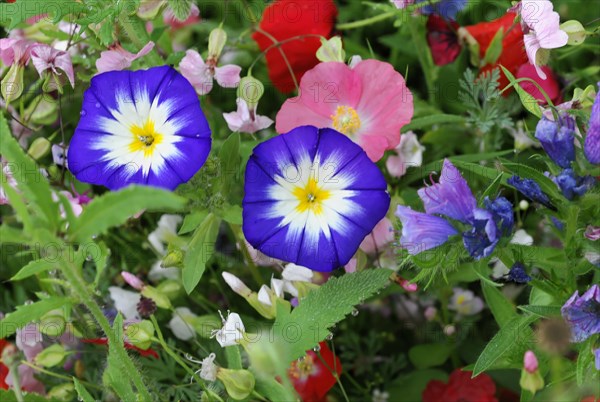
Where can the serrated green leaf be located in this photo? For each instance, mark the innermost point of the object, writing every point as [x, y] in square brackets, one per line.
[584, 361]
[33, 268]
[27, 313]
[513, 333]
[114, 373]
[199, 252]
[429, 355]
[13, 14]
[541, 311]
[181, 8]
[324, 307]
[529, 102]
[502, 309]
[114, 208]
[83, 393]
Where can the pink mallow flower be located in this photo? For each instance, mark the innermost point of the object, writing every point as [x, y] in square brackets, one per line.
[541, 26]
[369, 103]
[117, 58]
[201, 74]
[245, 119]
[382, 234]
[45, 57]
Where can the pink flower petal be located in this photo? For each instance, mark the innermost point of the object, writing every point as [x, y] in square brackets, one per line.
[228, 76]
[194, 69]
[382, 234]
[120, 59]
[244, 121]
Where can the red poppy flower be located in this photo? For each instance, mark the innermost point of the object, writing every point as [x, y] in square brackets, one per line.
[129, 346]
[461, 388]
[311, 378]
[442, 40]
[549, 85]
[3, 368]
[513, 53]
[285, 19]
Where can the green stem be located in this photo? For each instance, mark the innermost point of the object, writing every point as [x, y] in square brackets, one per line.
[79, 286]
[367, 21]
[425, 60]
[244, 248]
[14, 370]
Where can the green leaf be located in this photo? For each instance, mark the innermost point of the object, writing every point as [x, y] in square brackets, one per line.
[502, 309]
[487, 173]
[339, 296]
[100, 257]
[234, 358]
[271, 389]
[233, 214]
[83, 393]
[25, 171]
[115, 208]
[229, 155]
[584, 361]
[541, 311]
[511, 335]
[200, 250]
[115, 373]
[8, 234]
[427, 121]
[410, 387]
[529, 102]
[429, 355]
[15, 13]
[27, 313]
[192, 221]
[494, 50]
[181, 8]
[34, 267]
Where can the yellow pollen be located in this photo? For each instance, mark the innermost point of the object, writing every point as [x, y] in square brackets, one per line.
[310, 197]
[346, 120]
[145, 138]
[302, 369]
[461, 300]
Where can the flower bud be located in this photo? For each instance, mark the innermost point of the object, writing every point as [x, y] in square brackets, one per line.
[62, 392]
[170, 288]
[238, 383]
[430, 313]
[159, 298]
[43, 109]
[132, 280]
[216, 42]
[140, 334]
[331, 50]
[250, 90]
[236, 284]
[523, 205]
[53, 324]
[51, 356]
[11, 86]
[530, 362]
[173, 259]
[39, 148]
[575, 30]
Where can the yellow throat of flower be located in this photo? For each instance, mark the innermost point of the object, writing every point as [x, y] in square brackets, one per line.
[346, 120]
[145, 138]
[311, 197]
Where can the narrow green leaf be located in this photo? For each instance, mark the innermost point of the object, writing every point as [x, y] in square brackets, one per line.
[114, 208]
[234, 357]
[502, 309]
[339, 295]
[83, 393]
[541, 311]
[529, 102]
[584, 361]
[427, 121]
[27, 313]
[229, 156]
[494, 50]
[200, 250]
[513, 333]
[116, 372]
[34, 267]
[492, 189]
[100, 254]
[9, 234]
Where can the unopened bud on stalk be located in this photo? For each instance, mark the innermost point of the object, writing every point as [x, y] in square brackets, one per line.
[216, 42]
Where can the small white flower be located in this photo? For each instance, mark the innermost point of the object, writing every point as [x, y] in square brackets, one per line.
[293, 272]
[232, 332]
[236, 284]
[179, 324]
[409, 153]
[380, 396]
[166, 230]
[209, 368]
[125, 302]
[522, 140]
[264, 295]
[464, 302]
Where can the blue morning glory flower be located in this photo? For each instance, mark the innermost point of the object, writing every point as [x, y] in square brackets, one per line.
[558, 139]
[481, 240]
[445, 8]
[139, 127]
[530, 189]
[591, 145]
[502, 210]
[572, 185]
[451, 197]
[422, 231]
[583, 314]
[311, 197]
[518, 274]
